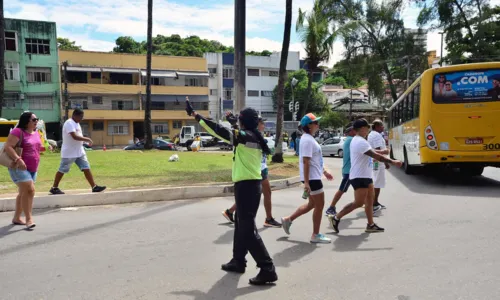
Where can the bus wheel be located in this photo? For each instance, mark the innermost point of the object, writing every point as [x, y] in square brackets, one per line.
[406, 165]
[471, 171]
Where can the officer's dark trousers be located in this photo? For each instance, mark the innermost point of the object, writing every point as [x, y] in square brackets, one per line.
[246, 237]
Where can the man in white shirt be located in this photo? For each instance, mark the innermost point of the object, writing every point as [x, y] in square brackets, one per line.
[72, 152]
[377, 142]
[360, 177]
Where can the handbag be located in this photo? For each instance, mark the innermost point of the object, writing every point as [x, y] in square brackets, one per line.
[5, 159]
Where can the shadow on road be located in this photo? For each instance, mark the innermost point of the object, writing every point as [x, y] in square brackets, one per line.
[294, 253]
[349, 243]
[73, 233]
[447, 182]
[224, 289]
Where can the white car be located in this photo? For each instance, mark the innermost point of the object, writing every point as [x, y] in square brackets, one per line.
[333, 146]
[271, 144]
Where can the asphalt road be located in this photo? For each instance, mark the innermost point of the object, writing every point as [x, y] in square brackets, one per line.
[441, 242]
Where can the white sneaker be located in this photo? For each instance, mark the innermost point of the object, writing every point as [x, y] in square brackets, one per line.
[320, 239]
[286, 223]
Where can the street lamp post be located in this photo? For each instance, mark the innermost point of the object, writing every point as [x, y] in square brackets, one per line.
[441, 58]
[239, 53]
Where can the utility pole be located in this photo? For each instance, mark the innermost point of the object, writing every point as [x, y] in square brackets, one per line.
[65, 92]
[239, 54]
[147, 112]
[441, 55]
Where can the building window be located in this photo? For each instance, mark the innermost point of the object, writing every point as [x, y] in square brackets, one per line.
[121, 105]
[228, 72]
[10, 40]
[213, 92]
[212, 71]
[76, 77]
[40, 75]
[159, 128]
[177, 124]
[253, 93]
[97, 100]
[117, 128]
[95, 75]
[196, 82]
[274, 73]
[11, 100]
[228, 94]
[40, 102]
[11, 71]
[253, 72]
[266, 93]
[79, 102]
[157, 105]
[98, 126]
[37, 46]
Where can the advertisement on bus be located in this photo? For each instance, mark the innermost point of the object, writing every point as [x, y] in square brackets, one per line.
[467, 86]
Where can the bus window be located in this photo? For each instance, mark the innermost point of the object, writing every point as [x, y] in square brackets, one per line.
[411, 105]
[416, 103]
[5, 130]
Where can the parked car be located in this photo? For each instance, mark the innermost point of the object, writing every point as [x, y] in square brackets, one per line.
[333, 146]
[157, 144]
[206, 139]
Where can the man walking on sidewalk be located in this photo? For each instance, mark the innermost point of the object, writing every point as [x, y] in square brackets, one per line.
[361, 177]
[377, 142]
[346, 168]
[72, 152]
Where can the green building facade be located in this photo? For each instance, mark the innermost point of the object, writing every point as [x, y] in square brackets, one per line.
[32, 72]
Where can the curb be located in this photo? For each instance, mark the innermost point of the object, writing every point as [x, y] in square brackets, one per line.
[137, 195]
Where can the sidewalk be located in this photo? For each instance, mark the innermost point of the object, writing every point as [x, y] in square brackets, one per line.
[133, 194]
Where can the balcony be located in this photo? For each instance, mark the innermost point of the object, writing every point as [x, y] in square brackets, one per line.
[92, 114]
[90, 88]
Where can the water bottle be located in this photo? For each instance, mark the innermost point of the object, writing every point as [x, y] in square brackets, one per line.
[375, 165]
[305, 195]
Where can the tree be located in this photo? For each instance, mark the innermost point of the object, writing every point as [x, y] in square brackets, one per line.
[314, 31]
[278, 155]
[2, 55]
[472, 28]
[337, 80]
[332, 119]
[126, 44]
[318, 102]
[147, 112]
[67, 45]
[375, 31]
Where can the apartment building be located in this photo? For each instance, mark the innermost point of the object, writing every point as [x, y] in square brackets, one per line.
[261, 79]
[31, 72]
[111, 88]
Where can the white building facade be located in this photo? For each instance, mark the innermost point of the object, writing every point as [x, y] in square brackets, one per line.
[261, 79]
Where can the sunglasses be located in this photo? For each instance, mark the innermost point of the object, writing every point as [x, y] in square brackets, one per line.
[34, 120]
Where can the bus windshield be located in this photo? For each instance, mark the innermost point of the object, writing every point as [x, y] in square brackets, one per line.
[467, 86]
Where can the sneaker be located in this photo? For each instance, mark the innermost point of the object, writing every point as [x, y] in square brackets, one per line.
[286, 225]
[98, 189]
[56, 191]
[334, 222]
[234, 266]
[377, 208]
[264, 277]
[331, 211]
[374, 228]
[228, 215]
[383, 206]
[272, 223]
[320, 239]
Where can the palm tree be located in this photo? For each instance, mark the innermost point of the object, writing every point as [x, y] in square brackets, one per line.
[147, 112]
[278, 155]
[315, 32]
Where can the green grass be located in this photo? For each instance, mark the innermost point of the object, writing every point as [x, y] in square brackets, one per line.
[119, 169]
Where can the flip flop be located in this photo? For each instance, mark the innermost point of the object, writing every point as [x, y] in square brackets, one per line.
[30, 226]
[18, 223]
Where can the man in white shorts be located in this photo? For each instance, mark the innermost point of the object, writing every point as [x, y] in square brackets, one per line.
[377, 142]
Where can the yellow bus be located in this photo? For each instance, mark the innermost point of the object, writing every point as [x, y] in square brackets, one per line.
[450, 116]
